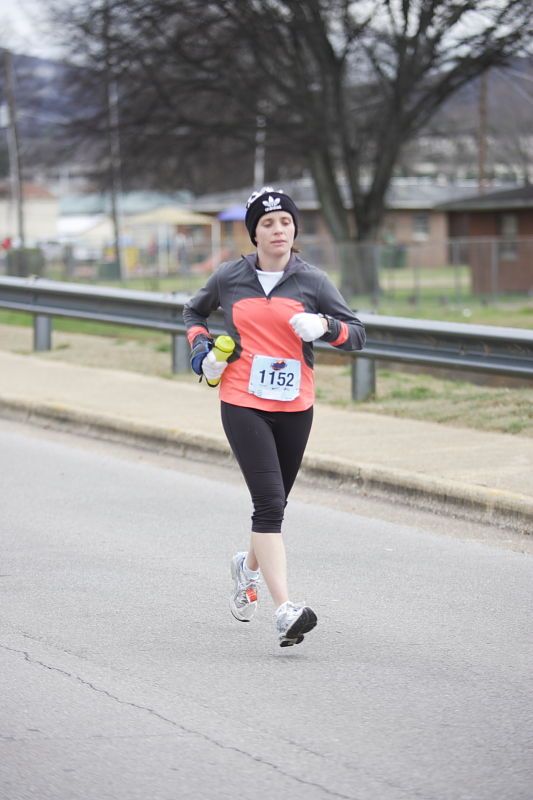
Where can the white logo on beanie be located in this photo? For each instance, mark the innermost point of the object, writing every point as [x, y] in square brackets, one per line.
[253, 197]
[272, 204]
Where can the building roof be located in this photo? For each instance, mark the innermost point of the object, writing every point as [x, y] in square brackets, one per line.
[520, 197]
[129, 202]
[98, 228]
[403, 194]
[30, 191]
[169, 215]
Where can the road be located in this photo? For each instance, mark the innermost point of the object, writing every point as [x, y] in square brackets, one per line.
[124, 676]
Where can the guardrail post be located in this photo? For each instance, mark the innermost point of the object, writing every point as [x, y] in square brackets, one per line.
[42, 332]
[180, 353]
[363, 379]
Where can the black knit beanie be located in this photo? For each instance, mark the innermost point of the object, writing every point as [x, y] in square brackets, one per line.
[264, 201]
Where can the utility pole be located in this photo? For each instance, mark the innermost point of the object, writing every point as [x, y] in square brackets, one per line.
[114, 158]
[15, 168]
[482, 134]
[113, 141]
[259, 160]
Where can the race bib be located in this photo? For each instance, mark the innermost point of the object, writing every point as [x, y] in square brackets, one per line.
[275, 378]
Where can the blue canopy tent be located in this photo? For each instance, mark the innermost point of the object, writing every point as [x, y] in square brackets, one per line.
[232, 214]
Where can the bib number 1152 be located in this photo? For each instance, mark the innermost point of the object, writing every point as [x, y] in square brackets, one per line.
[275, 378]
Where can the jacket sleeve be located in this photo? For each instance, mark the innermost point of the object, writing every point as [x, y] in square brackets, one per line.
[198, 309]
[346, 331]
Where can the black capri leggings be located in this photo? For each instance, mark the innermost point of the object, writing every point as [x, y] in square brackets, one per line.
[269, 447]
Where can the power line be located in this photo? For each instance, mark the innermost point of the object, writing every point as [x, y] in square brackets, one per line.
[518, 89]
[517, 73]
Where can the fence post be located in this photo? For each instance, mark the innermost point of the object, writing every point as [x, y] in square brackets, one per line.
[494, 271]
[454, 258]
[42, 332]
[416, 274]
[180, 353]
[376, 277]
[363, 379]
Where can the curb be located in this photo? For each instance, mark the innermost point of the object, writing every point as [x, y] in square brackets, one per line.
[485, 505]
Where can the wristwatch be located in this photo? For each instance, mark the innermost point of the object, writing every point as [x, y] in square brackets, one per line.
[330, 322]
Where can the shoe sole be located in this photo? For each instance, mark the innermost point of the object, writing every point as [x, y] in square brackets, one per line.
[232, 606]
[234, 613]
[295, 634]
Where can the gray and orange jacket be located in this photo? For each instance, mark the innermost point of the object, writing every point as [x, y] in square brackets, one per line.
[259, 324]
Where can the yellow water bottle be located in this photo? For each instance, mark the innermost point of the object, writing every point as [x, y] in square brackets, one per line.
[223, 348]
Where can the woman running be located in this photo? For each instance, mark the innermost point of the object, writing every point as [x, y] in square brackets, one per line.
[275, 305]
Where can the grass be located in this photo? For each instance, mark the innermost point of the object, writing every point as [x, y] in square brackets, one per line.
[412, 393]
[433, 302]
[512, 312]
[65, 325]
[435, 399]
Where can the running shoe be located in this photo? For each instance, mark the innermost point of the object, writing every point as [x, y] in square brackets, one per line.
[292, 622]
[243, 600]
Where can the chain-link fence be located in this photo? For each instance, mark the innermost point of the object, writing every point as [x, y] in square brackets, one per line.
[86, 261]
[444, 271]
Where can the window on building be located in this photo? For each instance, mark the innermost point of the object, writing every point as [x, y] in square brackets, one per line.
[421, 226]
[509, 236]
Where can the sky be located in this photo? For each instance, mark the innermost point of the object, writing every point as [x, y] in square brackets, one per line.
[23, 30]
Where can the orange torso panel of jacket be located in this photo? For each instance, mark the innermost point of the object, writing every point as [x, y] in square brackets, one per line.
[263, 323]
[260, 324]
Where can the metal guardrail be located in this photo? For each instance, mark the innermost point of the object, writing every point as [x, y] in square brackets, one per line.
[476, 348]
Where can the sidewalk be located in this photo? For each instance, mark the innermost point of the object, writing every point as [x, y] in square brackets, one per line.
[488, 476]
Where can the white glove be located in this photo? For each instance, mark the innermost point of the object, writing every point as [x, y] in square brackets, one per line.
[212, 368]
[308, 326]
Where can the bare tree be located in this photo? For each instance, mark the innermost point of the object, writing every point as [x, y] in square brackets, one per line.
[510, 114]
[170, 134]
[342, 85]
[450, 144]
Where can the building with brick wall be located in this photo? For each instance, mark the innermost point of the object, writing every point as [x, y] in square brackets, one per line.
[493, 232]
[413, 229]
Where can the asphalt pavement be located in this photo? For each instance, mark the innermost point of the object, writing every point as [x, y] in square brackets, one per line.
[125, 677]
